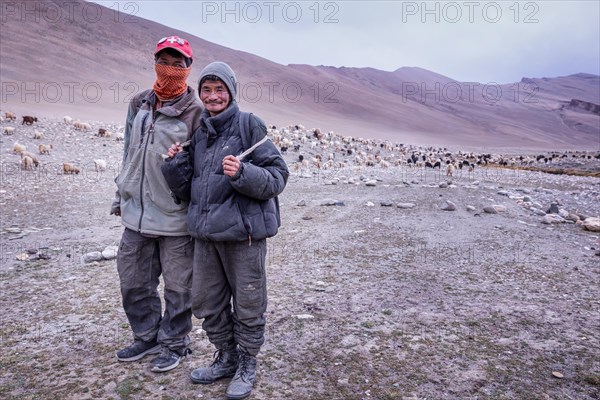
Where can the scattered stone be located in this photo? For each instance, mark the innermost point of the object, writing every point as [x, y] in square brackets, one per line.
[525, 223]
[552, 219]
[571, 217]
[307, 218]
[537, 211]
[110, 252]
[490, 210]
[557, 374]
[470, 208]
[503, 193]
[301, 203]
[371, 182]
[405, 205]
[386, 204]
[42, 256]
[499, 208]
[553, 209]
[369, 204]
[563, 213]
[592, 224]
[415, 181]
[304, 316]
[527, 199]
[332, 202]
[22, 257]
[91, 257]
[443, 185]
[449, 206]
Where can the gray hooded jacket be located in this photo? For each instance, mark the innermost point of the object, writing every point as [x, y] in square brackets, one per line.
[143, 195]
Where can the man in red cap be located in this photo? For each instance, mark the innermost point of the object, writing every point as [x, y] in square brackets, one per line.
[155, 240]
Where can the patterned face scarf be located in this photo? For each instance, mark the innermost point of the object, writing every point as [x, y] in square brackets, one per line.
[170, 81]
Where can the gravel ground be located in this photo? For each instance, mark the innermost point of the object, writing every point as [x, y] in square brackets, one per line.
[365, 301]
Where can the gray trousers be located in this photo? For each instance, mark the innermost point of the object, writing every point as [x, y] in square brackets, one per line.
[140, 262]
[230, 292]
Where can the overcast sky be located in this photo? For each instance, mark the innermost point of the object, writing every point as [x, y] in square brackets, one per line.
[483, 41]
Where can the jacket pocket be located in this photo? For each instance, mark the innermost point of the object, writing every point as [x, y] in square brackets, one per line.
[245, 219]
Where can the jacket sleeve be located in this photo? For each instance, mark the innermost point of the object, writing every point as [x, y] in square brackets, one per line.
[266, 175]
[179, 171]
[131, 113]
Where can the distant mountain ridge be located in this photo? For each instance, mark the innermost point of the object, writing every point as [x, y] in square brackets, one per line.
[90, 70]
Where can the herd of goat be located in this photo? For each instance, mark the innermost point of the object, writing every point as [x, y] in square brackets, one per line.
[318, 150]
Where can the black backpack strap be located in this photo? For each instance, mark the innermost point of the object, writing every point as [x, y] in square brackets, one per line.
[245, 132]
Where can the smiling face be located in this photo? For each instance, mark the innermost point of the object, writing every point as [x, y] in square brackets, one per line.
[214, 96]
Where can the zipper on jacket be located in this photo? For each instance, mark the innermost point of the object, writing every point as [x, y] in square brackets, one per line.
[210, 168]
[150, 131]
[143, 131]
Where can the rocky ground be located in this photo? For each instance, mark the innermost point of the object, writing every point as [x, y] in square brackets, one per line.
[376, 291]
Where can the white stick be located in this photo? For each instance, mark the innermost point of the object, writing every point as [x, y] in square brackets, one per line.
[251, 149]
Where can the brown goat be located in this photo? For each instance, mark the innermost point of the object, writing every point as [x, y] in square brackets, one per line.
[28, 120]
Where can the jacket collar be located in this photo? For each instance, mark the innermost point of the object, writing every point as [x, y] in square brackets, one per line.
[220, 122]
[174, 107]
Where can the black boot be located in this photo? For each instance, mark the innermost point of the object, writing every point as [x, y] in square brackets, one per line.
[224, 366]
[242, 383]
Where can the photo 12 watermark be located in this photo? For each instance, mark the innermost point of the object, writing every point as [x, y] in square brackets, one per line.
[468, 92]
[91, 92]
[269, 11]
[55, 12]
[32, 92]
[453, 12]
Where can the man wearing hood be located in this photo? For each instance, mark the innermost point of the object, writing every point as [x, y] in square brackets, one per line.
[155, 241]
[233, 209]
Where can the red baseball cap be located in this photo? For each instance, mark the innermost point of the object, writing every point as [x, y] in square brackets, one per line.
[175, 43]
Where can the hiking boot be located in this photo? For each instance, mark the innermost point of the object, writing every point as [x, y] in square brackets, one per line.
[224, 366]
[138, 350]
[168, 359]
[242, 383]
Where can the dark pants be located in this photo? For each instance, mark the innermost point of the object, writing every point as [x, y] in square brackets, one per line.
[140, 262]
[230, 292]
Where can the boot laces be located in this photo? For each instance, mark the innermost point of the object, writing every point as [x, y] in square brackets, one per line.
[218, 357]
[243, 366]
